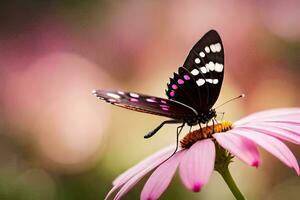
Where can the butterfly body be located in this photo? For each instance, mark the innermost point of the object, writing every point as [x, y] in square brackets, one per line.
[191, 92]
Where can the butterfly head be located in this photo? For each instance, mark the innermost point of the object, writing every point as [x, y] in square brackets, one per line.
[202, 118]
[206, 117]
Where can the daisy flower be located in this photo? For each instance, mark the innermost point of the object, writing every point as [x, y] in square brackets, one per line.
[212, 148]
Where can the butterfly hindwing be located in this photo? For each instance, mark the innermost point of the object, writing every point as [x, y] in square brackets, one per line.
[147, 104]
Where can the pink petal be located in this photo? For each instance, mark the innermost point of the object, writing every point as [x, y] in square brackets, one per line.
[197, 164]
[161, 178]
[272, 145]
[239, 146]
[278, 132]
[289, 127]
[286, 120]
[125, 176]
[274, 114]
[144, 167]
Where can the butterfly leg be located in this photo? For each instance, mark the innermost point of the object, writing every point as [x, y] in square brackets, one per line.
[154, 131]
[200, 128]
[216, 121]
[179, 129]
[213, 127]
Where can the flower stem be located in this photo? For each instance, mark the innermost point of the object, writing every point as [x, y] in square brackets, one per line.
[231, 184]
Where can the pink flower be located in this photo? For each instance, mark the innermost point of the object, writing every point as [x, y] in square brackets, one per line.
[198, 156]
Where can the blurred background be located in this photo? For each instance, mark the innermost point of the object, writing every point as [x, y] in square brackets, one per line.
[58, 142]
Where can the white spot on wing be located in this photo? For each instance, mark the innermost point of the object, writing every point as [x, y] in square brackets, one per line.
[207, 67]
[209, 80]
[113, 95]
[120, 92]
[203, 70]
[219, 67]
[200, 81]
[195, 72]
[215, 81]
[112, 100]
[197, 60]
[212, 48]
[207, 50]
[218, 47]
[211, 66]
[151, 100]
[134, 95]
[202, 55]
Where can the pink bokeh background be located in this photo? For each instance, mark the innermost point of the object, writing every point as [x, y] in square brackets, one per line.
[53, 54]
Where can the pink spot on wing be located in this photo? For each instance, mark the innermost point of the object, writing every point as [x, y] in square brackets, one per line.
[164, 106]
[134, 100]
[166, 109]
[197, 187]
[163, 101]
[186, 77]
[180, 81]
[172, 93]
[174, 86]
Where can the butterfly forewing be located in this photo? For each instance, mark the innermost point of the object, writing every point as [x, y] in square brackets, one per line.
[147, 104]
[205, 63]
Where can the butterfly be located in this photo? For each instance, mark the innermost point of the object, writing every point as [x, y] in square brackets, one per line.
[191, 92]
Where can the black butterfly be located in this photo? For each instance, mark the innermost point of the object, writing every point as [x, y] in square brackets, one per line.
[191, 92]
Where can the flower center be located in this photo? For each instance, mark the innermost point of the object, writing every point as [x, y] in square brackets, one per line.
[205, 132]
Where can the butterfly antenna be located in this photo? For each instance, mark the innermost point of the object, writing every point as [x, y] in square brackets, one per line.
[240, 96]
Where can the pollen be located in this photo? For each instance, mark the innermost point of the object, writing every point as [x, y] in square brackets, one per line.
[205, 132]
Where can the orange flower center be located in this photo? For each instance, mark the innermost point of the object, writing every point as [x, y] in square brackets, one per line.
[205, 132]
